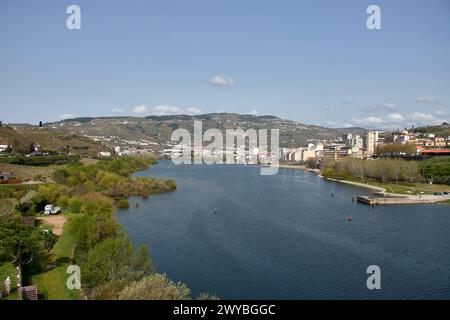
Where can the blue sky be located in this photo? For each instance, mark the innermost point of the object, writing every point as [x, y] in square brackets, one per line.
[311, 61]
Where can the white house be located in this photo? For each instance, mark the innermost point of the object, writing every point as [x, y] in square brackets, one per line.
[104, 154]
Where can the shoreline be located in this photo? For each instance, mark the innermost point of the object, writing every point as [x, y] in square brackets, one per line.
[317, 171]
[376, 189]
[382, 197]
[298, 167]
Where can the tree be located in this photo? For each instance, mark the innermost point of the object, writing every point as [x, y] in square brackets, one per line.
[113, 260]
[396, 169]
[40, 124]
[412, 171]
[21, 243]
[156, 287]
[107, 261]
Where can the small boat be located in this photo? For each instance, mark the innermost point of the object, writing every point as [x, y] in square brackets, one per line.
[349, 218]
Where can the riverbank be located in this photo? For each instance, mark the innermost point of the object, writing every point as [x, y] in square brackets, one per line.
[298, 167]
[383, 197]
[386, 193]
[87, 234]
[359, 184]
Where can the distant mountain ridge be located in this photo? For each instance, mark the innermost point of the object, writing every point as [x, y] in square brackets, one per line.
[159, 128]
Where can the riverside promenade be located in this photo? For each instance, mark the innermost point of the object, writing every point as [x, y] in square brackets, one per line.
[381, 197]
[392, 198]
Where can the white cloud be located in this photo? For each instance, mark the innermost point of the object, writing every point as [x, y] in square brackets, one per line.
[390, 107]
[427, 99]
[419, 116]
[440, 113]
[117, 110]
[395, 120]
[165, 110]
[140, 109]
[333, 124]
[396, 117]
[369, 121]
[193, 111]
[253, 112]
[67, 116]
[221, 81]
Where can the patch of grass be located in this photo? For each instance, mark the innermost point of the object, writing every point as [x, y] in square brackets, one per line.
[123, 203]
[52, 284]
[7, 205]
[8, 269]
[411, 189]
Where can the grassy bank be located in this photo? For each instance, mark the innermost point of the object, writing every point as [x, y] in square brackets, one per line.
[92, 239]
[51, 284]
[395, 175]
[400, 188]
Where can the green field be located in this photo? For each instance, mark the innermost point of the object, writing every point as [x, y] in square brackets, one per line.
[411, 189]
[52, 284]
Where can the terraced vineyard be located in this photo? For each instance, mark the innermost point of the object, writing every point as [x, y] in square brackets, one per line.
[30, 172]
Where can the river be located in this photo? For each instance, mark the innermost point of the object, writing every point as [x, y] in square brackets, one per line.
[230, 231]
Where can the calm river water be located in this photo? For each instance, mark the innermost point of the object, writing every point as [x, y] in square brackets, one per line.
[230, 231]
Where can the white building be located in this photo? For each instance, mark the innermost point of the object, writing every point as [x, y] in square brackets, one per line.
[104, 154]
[371, 142]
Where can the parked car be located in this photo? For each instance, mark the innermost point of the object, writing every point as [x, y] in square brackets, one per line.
[50, 209]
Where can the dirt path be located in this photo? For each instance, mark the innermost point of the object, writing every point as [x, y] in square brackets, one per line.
[57, 222]
[359, 184]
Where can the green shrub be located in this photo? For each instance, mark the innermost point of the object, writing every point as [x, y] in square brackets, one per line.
[123, 203]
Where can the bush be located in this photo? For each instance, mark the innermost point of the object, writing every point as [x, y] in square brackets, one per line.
[123, 203]
[156, 287]
[328, 172]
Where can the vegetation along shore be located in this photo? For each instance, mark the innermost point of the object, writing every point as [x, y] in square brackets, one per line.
[393, 181]
[84, 234]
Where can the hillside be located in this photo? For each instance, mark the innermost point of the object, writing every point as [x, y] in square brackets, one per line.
[159, 128]
[442, 130]
[56, 141]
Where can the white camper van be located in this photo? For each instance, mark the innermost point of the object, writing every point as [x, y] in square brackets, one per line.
[50, 209]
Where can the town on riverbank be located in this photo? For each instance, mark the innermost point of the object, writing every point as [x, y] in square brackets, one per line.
[58, 192]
